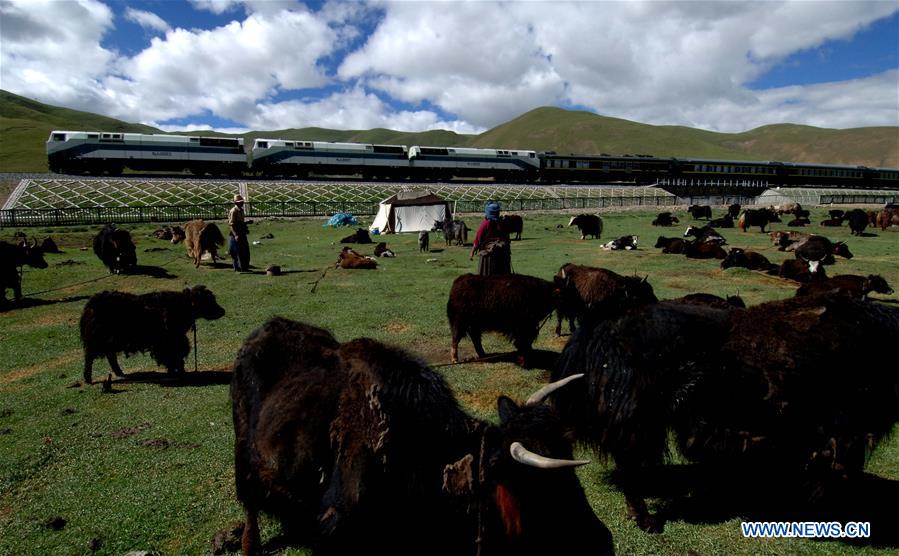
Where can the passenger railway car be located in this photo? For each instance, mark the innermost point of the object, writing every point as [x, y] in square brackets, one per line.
[82, 152]
[282, 158]
[109, 153]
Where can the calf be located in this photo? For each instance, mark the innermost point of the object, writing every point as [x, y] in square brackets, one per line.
[858, 286]
[424, 242]
[588, 224]
[724, 222]
[624, 243]
[514, 305]
[114, 247]
[730, 303]
[747, 259]
[12, 258]
[381, 250]
[118, 322]
[836, 214]
[352, 260]
[512, 224]
[588, 293]
[360, 448]
[832, 222]
[672, 245]
[797, 222]
[199, 237]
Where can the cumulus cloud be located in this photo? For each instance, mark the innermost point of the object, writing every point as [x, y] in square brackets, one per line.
[147, 20]
[459, 66]
[351, 109]
[51, 50]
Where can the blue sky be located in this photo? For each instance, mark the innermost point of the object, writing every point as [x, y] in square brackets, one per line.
[237, 65]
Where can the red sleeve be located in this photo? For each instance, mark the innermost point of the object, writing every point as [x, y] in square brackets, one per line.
[479, 236]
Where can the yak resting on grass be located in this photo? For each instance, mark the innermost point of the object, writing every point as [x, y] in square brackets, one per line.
[12, 257]
[705, 234]
[592, 293]
[762, 396]
[360, 448]
[799, 271]
[114, 247]
[672, 245]
[514, 305]
[588, 224]
[359, 236]
[665, 219]
[349, 259]
[858, 286]
[118, 322]
[747, 259]
[199, 237]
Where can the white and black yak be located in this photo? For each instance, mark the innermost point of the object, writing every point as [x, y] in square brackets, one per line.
[119, 322]
[782, 401]
[360, 448]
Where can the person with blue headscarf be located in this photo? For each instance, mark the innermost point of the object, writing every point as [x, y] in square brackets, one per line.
[492, 244]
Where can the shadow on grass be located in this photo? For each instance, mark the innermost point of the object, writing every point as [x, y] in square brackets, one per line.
[162, 378]
[152, 272]
[702, 494]
[539, 359]
[28, 302]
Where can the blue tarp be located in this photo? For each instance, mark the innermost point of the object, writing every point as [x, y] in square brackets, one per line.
[342, 219]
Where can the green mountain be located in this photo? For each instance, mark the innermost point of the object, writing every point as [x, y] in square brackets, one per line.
[25, 125]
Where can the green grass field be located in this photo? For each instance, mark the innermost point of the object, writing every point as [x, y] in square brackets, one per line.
[150, 467]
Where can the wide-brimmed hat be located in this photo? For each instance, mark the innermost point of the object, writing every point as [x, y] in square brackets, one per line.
[238, 198]
[491, 211]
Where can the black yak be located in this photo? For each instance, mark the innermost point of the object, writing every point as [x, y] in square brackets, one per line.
[12, 257]
[819, 250]
[734, 211]
[665, 219]
[747, 259]
[118, 322]
[859, 286]
[512, 224]
[672, 245]
[799, 271]
[588, 224]
[199, 237]
[359, 448]
[724, 222]
[597, 293]
[424, 242]
[115, 248]
[514, 305]
[756, 395]
[757, 217]
[700, 211]
[359, 236]
[704, 250]
[858, 221]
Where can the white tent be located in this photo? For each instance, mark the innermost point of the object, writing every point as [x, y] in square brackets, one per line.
[410, 211]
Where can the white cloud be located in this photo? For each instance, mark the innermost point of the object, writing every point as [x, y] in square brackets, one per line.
[216, 6]
[352, 109]
[195, 127]
[51, 50]
[147, 20]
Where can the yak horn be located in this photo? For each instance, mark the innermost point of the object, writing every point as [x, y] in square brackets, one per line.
[541, 394]
[527, 457]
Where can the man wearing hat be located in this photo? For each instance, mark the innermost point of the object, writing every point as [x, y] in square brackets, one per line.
[238, 244]
[492, 243]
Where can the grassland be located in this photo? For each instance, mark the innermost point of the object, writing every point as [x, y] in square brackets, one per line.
[150, 466]
[25, 125]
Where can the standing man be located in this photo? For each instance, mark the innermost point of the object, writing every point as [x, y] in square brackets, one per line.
[238, 244]
[492, 244]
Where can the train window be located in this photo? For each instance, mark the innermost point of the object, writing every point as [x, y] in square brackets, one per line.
[572, 164]
[532, 155]
[194, 139]
[288, 144]
[433, 151]
[262, 144]
[106, 136]
[59, 136]
[218, 142]
[388, 149]
[93, 135]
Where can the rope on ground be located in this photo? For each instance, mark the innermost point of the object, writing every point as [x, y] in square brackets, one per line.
[315, 284]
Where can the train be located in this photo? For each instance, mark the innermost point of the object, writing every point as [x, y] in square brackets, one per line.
[111, 153]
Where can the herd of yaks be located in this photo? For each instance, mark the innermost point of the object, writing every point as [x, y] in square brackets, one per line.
[360, 446]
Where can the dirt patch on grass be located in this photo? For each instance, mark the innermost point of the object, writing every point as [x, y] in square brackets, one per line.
[398, 327]
[55, 363]
[51, 319]
[128, 431]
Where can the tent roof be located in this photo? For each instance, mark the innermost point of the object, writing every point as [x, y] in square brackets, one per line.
[407, 198]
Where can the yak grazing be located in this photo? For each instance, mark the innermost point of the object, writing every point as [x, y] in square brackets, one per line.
[115, 248]
[788, 396]
[359, 448]
[588, 224]
[13, 257]
[514, 305]
[199, 237]
[586, 292]
[118, 322]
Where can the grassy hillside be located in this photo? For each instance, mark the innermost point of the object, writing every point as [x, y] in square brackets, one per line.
[26, 124]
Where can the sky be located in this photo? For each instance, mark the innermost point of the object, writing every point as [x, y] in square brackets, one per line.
[239, 65]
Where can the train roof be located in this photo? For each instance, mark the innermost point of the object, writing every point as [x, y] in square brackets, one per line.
[143, 137]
